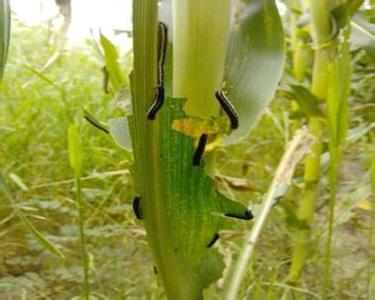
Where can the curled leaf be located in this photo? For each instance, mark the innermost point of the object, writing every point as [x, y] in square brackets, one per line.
[255, 61]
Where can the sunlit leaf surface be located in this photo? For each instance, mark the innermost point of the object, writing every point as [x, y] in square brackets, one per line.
[192, 207]
[255, 61]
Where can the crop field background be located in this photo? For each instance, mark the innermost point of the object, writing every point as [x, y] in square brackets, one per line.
[35, 112]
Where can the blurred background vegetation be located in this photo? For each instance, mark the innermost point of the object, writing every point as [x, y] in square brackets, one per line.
[35, 112]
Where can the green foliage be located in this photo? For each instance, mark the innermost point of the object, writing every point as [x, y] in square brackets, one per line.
[116, 75]
[255, 61]
[33, 129]
[194, 210]
[182, 211]
[38, 236]
[5, 18]
[34, 122]
[363, 36]
[195, 45]
[307, 101]
[75, 150]
[339, 86]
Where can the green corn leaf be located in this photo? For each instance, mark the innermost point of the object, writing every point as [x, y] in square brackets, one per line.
[38, 236]
[342, 12]
[111, 63]
[182, 209]
[339, 85]
[182, 222]
[5, 18]
[199, 49]
[307, 101]
[75, 150]
[255, 61]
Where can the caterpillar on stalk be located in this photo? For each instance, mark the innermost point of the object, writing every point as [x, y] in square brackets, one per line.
[159, 91]
[200, 149]
[213, 240]
[137, 208]
[228, 108]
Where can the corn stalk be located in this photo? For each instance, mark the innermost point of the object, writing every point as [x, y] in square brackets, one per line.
[322, 36]
[4, 34]
[181, 207]
[75, 160]
[331, 83]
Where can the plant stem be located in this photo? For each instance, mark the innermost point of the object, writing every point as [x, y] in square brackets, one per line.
[81, 218]
[301, 55]
[331, 207]
[301, 60]
[300, 48]
[294, 7]
[297, 148]
[201, 30]
[146, 143]
[321, 23]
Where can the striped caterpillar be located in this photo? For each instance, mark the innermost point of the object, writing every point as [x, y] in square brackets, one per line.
[160, 91]
[228, 108]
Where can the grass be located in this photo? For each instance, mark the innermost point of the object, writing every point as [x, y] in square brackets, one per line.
[34, 146]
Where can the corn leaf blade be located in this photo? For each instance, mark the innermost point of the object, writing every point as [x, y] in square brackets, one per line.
[339, 85]
[191, 207]
[255, 61]
[307, 101]
[111, 63]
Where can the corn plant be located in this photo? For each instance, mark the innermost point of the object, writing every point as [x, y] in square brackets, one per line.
[4, 34]
[75, 159]
[234, 49]
[331, 77]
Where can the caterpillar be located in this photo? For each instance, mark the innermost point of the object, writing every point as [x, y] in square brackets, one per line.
[91, 120]
[157, 104]
[213, 240]
[200, 149]
[248, 215]
[163, 43]
[228, 108]
[137, 208]
[159, 91]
